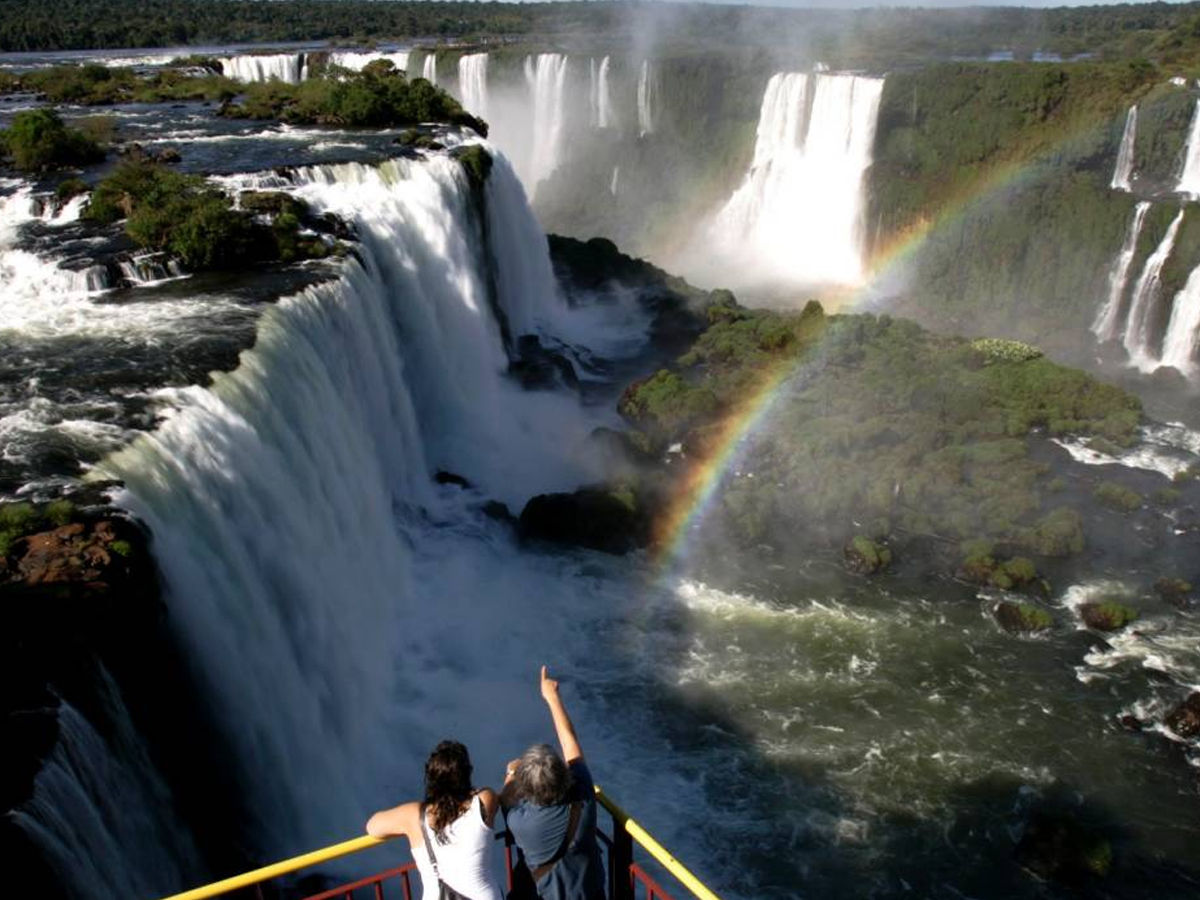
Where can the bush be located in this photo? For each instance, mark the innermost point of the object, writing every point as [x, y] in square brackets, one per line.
[1117, 497]
[72, 187]
[38, 141]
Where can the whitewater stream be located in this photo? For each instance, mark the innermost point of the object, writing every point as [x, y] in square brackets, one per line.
[786, 729]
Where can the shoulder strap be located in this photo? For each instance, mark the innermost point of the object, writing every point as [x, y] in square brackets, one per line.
[428, 842]
[572, 823]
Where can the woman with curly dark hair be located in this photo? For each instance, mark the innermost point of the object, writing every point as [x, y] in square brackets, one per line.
[450, 831]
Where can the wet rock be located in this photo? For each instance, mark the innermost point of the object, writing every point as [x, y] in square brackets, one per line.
[494, 509]
[169, 155]
[70, 554]
[538, 368]
[1107, 615]
[865, 557]
[444, 477]
[1184, 720]
[1131, 723]
[598, 518]
[1021, 617]
[1174, 591]
[1059, 848]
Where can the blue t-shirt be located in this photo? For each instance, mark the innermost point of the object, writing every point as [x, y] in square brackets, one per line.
[539, 832]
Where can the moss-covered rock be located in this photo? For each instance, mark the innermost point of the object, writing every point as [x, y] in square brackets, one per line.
[1173, 590]
[476, 162]
[1184, 720]
[1118, 497]
[1107, 615]
[865, 556]
[609, 519]
[1022, 617]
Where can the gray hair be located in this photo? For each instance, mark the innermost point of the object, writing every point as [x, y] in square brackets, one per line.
[542, 776]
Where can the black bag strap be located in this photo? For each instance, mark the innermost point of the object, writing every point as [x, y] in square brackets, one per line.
[572, 824]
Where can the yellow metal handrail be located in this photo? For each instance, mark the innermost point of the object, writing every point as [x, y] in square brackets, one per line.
[284, 867]
[654, 848]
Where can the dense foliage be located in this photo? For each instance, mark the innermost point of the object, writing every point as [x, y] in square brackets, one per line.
[198, 224]
[96, 85]
[379, 96]
[38, 141]
[880, 425]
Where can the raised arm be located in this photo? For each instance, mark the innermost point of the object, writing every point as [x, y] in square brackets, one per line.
[567, 740]
[399, 820]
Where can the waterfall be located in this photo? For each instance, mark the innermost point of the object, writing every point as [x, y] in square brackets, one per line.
[1189, 178]
[797, 216]
[356, 61]
[546, 79]
[1137, 337]
[646, 97]
[29, 283]
[96, 801]
[472, 83]
[1105, 325]
[612, 185]
[289, 67]
[600, 97]
[1124, 168]
[285, 500]
[1182, 339]
[429, 73]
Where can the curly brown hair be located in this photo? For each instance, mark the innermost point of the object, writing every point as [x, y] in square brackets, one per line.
[447, 785]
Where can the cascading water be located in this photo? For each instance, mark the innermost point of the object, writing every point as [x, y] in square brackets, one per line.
[429, 72]
[646, 91]
[1123, 171]
[546, 77]
[797, 216]
[1189, 177]
[600, 96]
[289, 67]
[287, 500]
[1137, 338]
[472, 83]
[1106, 325]
[86, 837]
[356, 61]
[1182, 341]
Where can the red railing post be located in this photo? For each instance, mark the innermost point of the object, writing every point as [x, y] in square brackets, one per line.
[620, 858]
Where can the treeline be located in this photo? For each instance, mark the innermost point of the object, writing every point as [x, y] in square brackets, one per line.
[843, 37]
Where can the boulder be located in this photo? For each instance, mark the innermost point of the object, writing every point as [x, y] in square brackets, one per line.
[538, 368]
[444, 477]
[1184, 720]
[1059, 848]
[1107, 615]
[74, 554]
[598, 518]
[1021, 617]
[865, 556]
[1174, 591]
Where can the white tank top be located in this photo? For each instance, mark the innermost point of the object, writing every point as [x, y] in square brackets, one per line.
[466, 861]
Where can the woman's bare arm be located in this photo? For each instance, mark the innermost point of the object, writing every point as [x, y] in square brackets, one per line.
[397, 821]
[562, 722]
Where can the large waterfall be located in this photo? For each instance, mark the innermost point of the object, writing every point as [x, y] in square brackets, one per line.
[429, 72]
[472, 83]
[546, 76]
[1105, 327]
[1123, 171]
[797, 216]
[1182, 340]
[1189, 176]
[291, 501]
[289, 67]
[357, 60]
[600, 96]
[1138, 340]
[646, 91]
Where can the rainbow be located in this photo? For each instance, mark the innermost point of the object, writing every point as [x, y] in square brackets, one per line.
[693, 496]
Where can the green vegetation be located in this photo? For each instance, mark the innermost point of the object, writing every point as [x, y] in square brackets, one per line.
[121, 548]
[999, 350]
[38, 141]
[880, 421]
[186, 217]
[22, 518]
[1023, 617]
[1107, 615]
[72, 187]
[96, 85]
[865, 556]
[477, 163]
[1118, 497]
[380, 96]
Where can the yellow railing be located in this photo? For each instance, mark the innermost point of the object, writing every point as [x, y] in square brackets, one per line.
[622, 822]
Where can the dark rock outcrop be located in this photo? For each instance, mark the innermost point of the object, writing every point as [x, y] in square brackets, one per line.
[1021, 617]
[1058, 848]
[1106, 616]
[865, 556]
[1184, 720]
[598, 518]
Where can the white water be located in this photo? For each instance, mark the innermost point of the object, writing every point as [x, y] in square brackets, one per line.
[1182, 339]
[1164, 448]
[546, 77]
[1189, 177]
[429, 71]
[1123, 170]
[356, 61]
[646, 98]
[1137, 338]
[289, 67]
[797, 216]
[600, 95]
[1106, 325]
[472, 83]
[96, 801]
[292, 502]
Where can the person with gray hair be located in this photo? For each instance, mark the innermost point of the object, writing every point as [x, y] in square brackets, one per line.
[549, 804]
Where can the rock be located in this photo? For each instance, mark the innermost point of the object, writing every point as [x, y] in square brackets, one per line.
[272, 203]
[1107, 615]
[1021, 617]
[538, 368]
[864, 556]
[1174, 591]
[169, 155]
[1131, 723]
[1184, 720]
[71, 554]
[598, 518]
[443, 477]
[1059, 848]
[494, 509]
